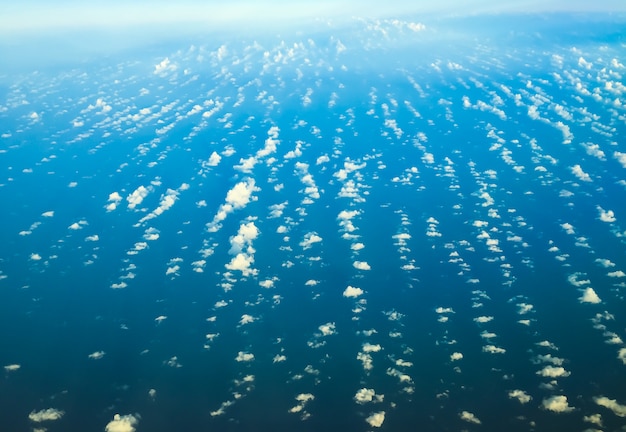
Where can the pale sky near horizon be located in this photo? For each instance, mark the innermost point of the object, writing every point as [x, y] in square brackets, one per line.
[41, 16]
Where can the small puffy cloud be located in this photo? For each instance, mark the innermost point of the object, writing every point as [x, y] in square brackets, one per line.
[557, 404]
[328, 329]
[483, 319]
[589, 296]
[361, 265]
[553, 372]
[621, 355]
[12, 367]
[376, 419]
[92, 238]
[122, 423]
[279, 358]
[492, 349]
[368, 347]
[617, 408]
[244, 357]
[35, 257]
[352, 292]
[48, 214]
[137, 197]
[246, 319]
[242, 262]
[620, 157]
[469, 417]
[366, 395]
[578, 172]
[456, 356]
[97, 355]
[310, 239]
[48, 414]
[520, 395]
[241, 194]
[606, 215]
[214, 159]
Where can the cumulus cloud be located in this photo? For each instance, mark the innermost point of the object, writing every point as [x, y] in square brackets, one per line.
[606, 215]
[244, 357]
[236, 198]
[366, 395]
[122, 423]
[617, 408]
[136, 197]
[456, 356]
[243, 263]
[361, 265]
[469, 417]
[12, 367]
[553, 372]
[589, 296]
[353, 292]
[310, 239]
[557, 404]
[97, 355]
[376, 419]
[578, 172]
[327, 329]
[520, 395]
[49, 414]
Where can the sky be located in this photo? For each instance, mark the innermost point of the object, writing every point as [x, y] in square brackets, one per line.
[31, 16]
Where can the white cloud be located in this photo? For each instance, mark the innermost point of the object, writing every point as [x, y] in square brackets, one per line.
[376, 419]
[606, 215]
[589, 296]
[48, 414]
[122, 423]
[469, 417]
[361, 265]
[368, 347]
[617, 408]
[246, 319]
[578, 172]
[557, 404]
[242, 262]
[97, 355]
[310, 239]
[353, 292]
[244, 357]
[617, 273]
[456, 356]
[492, 349]
[327, 329]
[520, 395]
[483, 319]
[621, 158]
[553, 372]
[214, 159]
[92, 238]
[366, 395]
[48, 214]
[241, 194]
[137, 197]
[12, 367]
[621, 355]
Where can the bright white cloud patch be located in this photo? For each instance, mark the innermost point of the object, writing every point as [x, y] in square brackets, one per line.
[589, 296]
[556, 404]
[376, 419]
[361, 265]
[520, 395]
[244, 357]
[469, 417]
[49, 414]
[617, 408]
[122, 423]
[366, 395]
[578, 172]
[352, 292]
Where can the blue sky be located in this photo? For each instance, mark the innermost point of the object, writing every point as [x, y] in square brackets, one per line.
[38, 16]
